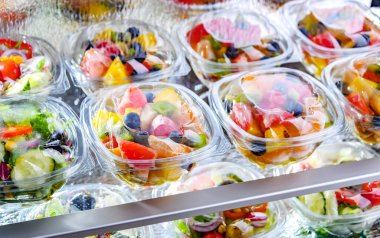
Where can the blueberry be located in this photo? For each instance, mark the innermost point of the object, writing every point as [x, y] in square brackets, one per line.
[274, 47]
[228, 105]
[139, 53]
[232, 52]
[258, 148]
[140, 57]
[149, 97]
[154, 69]
[304, 31]
[362, 40]
[89, 45]
[280, 87]
[227, 182]
[141, 137]
[176, 136]
[83, 202]
[132, 120]
[134, 31]
[294, 107]
[265, 57]
[122, 58]
[376, 121]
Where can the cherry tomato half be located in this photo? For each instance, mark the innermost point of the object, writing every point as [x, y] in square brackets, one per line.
[9, 69]
[13, 131]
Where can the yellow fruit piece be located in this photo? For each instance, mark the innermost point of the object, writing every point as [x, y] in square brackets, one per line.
[17, 59]
[358, 85]
[101, 117]
[147, 40]
[116, 73]
[10, 145]
[167, 94]
[375, 103]
[167, 148]
[105, 35]
[96, 9]
[116, 151]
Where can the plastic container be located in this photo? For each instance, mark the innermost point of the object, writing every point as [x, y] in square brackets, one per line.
[263, 220]
[188, 8]
[325, 31]
[345, 212]
[41, 146]
[30, 65]
[76, 198]
[276, 116]
[356, 82]
[120, 52]
[217, 44]
[142, 120]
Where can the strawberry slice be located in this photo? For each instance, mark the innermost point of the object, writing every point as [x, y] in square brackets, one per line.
[133, 98]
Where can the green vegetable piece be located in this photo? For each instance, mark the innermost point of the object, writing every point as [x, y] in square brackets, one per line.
[40, 65]
[331, 203]
[18, 44]
[164, 108]
[215, 45]
[113, 36]
[18, 115]
[40, 124]
[54, 208]
[350, 211]
[234, 177]
[204, 218]
[182, 227]
[316, 203]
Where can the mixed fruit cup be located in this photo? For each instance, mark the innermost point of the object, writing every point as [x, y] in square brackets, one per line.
[231, 41]
[153, 132]
[250, 221]
[331, 31]
[36, 151]
[269, 112]
[21, 69]
[345, 211]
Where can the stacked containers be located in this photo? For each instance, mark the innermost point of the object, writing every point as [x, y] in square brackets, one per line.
[325, 31]
[356, 82]
[229, 41]
[262, 220]
[149, 134]
[120, 52]
[344, 212]
[276, 116]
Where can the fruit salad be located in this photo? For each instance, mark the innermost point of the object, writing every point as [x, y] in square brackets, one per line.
[37, 150]
[153, 130]
[226, 42]
[269, 112]
[121, 52]
[357, 82]
[21, 69]
[250, 221]
[344, 211]
[327, 31]
[77, 198]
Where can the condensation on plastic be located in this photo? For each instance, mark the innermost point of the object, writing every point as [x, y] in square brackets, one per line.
[332, 153]
[220, 171]
[166, 49]
[294, 11]
[209, 71]
[346, 68]
[59, 82]
[217, 143]
[246, 142]
[38, 188]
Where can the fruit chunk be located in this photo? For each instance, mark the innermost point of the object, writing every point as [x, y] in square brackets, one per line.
[134, 151]
[116, 73]
[134, 98]
[95, 63]
[326, 39]
[196, 35]
[357, 101]
[167, 148]
[163, 126]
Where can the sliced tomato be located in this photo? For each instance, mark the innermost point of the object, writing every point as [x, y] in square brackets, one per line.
[9, 69]
[373, 198]
[6, 44]
[13, 131]
[233, 214]
[357, 101]
[26, 48]
[133, 151]
[368, 187]
[213, 235]
[261, 208]
[343, 199]
[196, 35]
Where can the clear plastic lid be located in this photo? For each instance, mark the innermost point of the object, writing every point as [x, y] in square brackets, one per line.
[77, 198]
[277, 105]
[151, 126]
[40, 144]
[121, 52]
[202, 5]
[234, 38]
[30, 65]
[344, 26]
[265, 219]
[345, 205]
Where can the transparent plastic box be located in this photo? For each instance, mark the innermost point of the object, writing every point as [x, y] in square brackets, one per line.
[263, 220]
[331, 30]
[345, 221]
[41, 147]
[229, 41]
[37, 67]
[354, 80]
[158, 132]
[121, 52]
[276, 116]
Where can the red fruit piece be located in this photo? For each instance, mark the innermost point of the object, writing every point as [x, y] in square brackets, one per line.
[241, 58]
[108, 48]
[134, 98]
[95, 63]
[134, 151]
[275, 117]
[357, 101]
[196, 35]
[242, 115]
[326, 39]
[163, 126]
[9, 69]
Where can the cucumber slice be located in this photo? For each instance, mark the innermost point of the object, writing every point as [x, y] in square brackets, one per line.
[18, 115]
[331, 203]
[32, 164]
[316, 203]
[20, 86]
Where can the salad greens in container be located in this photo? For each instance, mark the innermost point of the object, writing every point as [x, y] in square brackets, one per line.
[41, 145]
